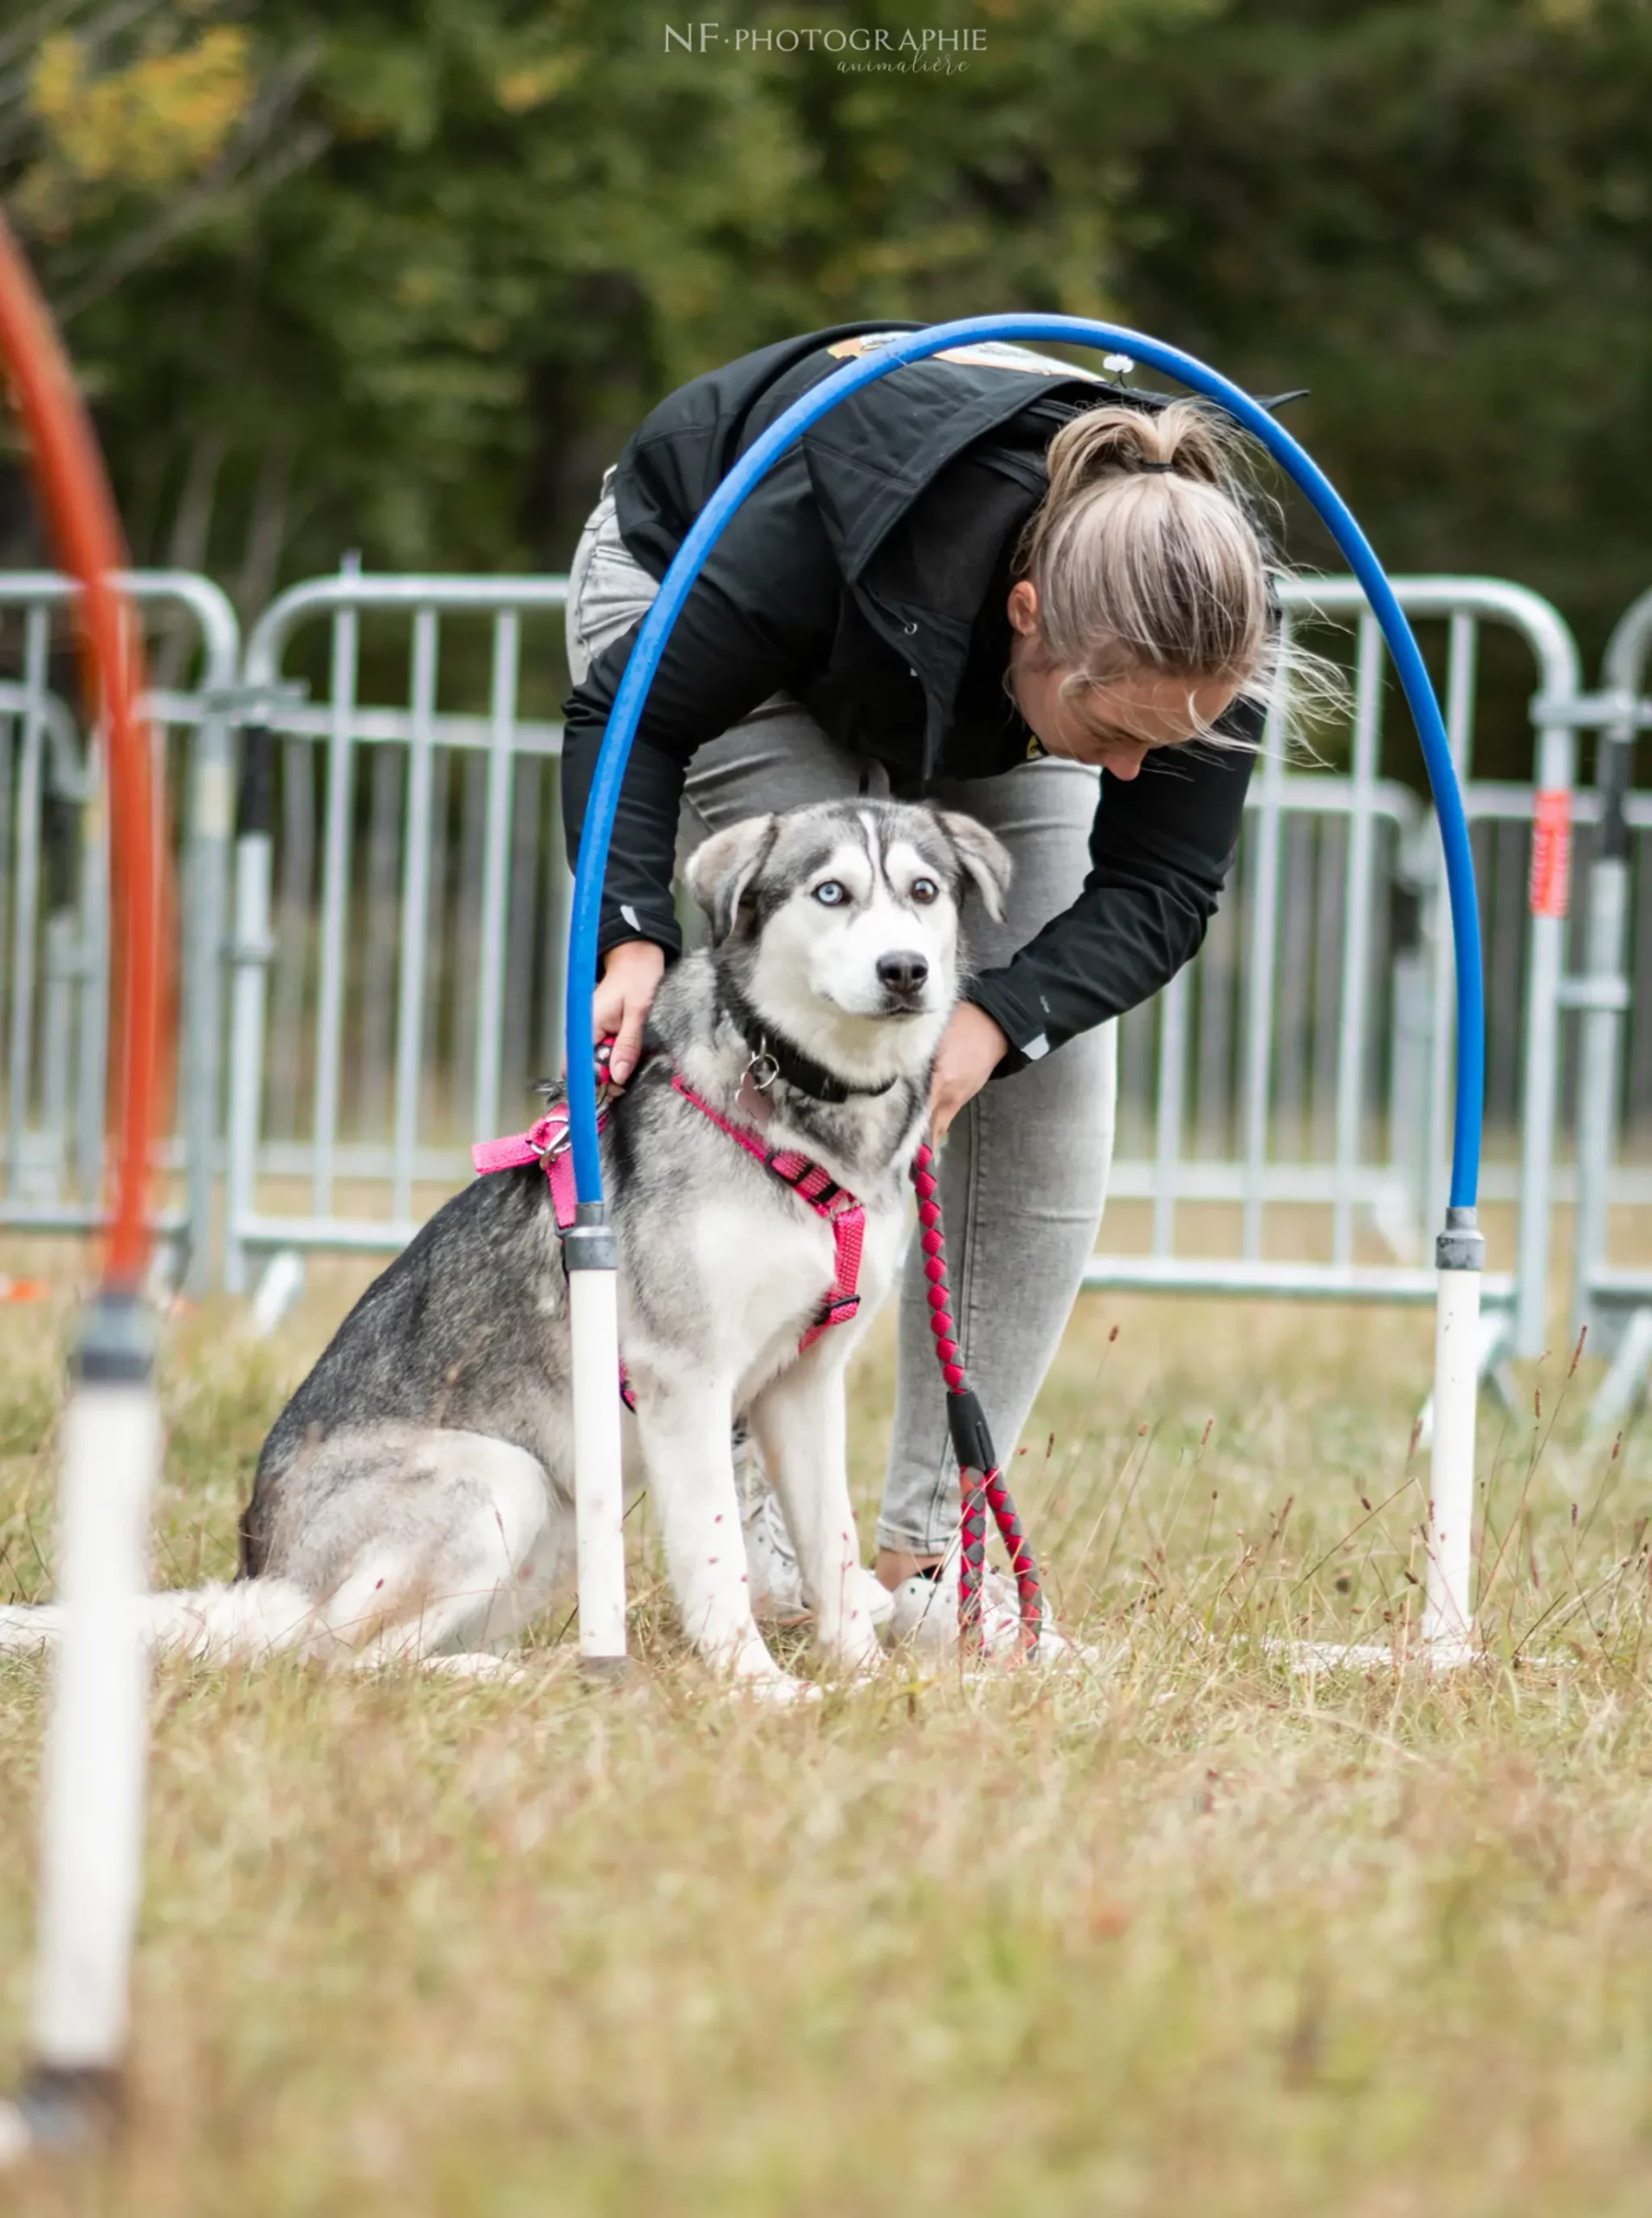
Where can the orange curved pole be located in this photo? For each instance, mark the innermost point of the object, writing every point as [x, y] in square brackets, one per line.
[75, 490]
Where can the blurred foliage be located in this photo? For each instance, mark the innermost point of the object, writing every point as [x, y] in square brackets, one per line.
[401, 274]
[146, 128]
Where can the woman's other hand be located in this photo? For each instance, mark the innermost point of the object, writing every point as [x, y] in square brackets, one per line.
[972, 1047]
[631, 971]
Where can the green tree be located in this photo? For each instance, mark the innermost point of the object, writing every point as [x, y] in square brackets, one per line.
[402, 274]
[1438, 215]
[513, 227]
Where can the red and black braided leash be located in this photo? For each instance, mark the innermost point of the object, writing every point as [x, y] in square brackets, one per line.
[982, 1482]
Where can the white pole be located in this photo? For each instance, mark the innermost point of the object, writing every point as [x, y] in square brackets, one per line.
[92, 1827]
[599, 1485]
[1447, 1614]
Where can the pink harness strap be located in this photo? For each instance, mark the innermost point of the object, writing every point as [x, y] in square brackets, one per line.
[824, 1195]
[546, 1142]
[531, 1146]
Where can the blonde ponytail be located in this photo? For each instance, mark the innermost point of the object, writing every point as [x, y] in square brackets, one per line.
[1181, 439]
[1147, 551]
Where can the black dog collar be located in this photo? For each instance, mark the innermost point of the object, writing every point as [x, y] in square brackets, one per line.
[774, 1056]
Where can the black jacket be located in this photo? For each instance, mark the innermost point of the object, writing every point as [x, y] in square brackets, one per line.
[866, 575]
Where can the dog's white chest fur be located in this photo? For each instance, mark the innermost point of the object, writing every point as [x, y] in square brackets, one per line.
[764, 1282]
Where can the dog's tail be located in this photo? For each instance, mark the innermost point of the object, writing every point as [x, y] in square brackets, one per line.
[253, 1618]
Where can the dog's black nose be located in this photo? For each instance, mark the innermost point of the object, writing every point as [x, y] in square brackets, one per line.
[902, 972]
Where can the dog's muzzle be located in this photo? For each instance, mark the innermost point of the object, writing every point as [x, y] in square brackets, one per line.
[904, 976]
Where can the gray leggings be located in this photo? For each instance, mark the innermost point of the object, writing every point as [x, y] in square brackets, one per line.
[1024, 1169]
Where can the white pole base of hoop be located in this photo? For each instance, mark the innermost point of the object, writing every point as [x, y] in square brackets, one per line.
[598, 1483]
[1447, 1609]
[92, 1826]
[1448, 1632]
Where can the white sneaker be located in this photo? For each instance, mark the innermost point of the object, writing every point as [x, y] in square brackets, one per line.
[776, 1582]
[771, 1561]
[926, 1613]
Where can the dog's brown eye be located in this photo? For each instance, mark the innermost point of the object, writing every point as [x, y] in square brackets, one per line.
[925, 889]
[829, 894]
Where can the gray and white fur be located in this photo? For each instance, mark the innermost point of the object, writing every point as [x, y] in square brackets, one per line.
[415, 1497]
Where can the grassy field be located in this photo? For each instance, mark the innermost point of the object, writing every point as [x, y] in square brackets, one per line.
[1183, 1932]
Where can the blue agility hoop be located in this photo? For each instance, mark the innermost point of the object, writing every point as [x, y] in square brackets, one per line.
[1169, 361]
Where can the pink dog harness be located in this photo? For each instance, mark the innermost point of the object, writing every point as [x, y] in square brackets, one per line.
[546, 1142]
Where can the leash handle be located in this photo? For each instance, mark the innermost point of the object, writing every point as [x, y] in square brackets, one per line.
[982, 1484]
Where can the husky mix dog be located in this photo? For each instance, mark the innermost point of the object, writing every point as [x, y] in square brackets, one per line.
[415, 1497]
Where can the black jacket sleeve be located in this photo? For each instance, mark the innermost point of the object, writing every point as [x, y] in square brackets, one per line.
[761, 616]
[1160, 851]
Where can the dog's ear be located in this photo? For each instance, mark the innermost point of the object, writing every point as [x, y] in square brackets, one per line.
[985, 860]
[722, 868]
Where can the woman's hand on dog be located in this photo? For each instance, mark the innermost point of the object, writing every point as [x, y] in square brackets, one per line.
[631, 971]
[972, 1047]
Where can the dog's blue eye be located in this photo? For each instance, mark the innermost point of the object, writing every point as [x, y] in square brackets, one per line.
[829, 893]
[925, 889]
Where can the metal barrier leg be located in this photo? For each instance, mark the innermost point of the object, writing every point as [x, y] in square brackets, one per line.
[1540, 1097]
[1401, 1215]
[212, 815]
[1604, 994]
[57, 1015]
[91, 1029]
[1617, 1299]
[1448, 1613]
[251, 952]
[1625, 1382]
[279, 1288]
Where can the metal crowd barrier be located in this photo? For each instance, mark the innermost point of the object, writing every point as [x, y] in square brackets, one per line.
[53, 908]
[1614, 1301]
[399, 916]
[1261, 1073]
[399, 987]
